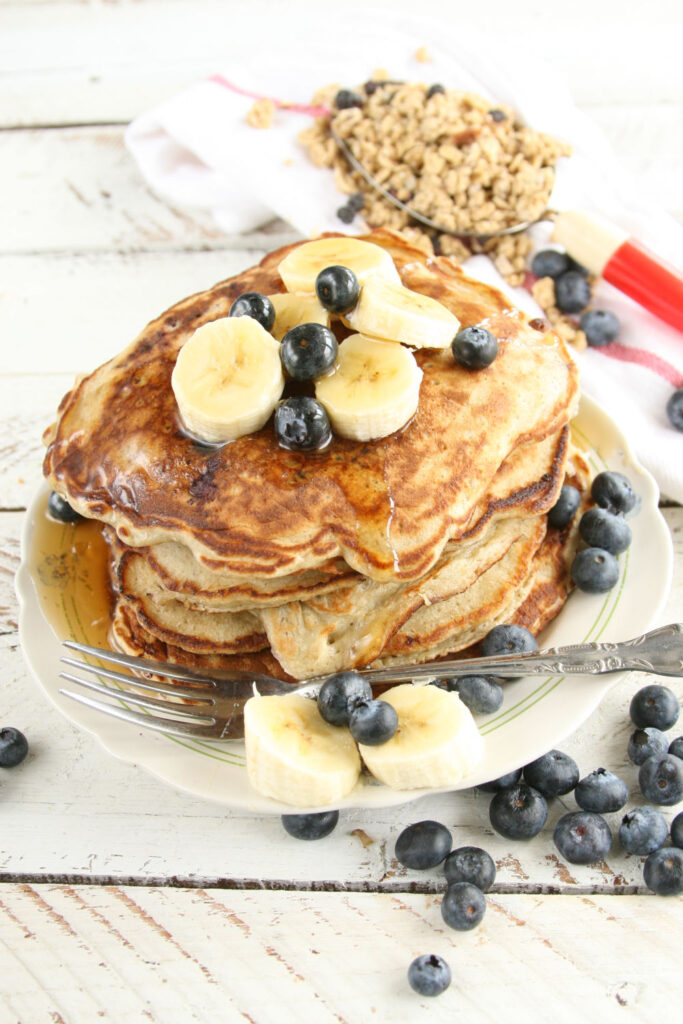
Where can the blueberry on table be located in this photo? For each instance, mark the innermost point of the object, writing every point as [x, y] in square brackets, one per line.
[257, 306]
[346, 214]
[613, 491]
[474, 347]
[356, 201]
[61, 510]
[340, 694]
[302, 424]
[373, 722]
[595, 570]
[676, 747]
[582, 837]
[572, 292]
[677, 830]
[337, 288]
[481, 694]
[550, 263]
[470, 864]
[463, 906]
[565, 507]
[643, 830]
[553, 774]
[308, 351]
[310, 826]
[518, 812]
[502, 782]
[601, 791]
[346, 98]
[674, 409]
[600, 528]
[508, 640]
[600, 327]
[661, 780]
[644, 743]
[13, 747]
[423, 845]
[429, 975]
[656, 706]
[663, 871]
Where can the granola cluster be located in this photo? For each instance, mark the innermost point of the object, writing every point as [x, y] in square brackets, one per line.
[448, 155]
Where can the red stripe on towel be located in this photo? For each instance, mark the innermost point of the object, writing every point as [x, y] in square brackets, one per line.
[298, 108]
[642, 357]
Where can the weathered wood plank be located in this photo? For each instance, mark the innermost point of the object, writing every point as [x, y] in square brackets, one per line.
[86, 953]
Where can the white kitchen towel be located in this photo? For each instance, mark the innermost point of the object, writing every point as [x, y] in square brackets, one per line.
[196, 149]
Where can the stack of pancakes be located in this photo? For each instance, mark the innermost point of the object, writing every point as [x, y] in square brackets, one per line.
[391, 551]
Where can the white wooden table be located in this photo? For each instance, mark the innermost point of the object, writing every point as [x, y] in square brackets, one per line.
[121, 899]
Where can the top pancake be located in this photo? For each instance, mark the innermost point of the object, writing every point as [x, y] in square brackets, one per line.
[251, 508]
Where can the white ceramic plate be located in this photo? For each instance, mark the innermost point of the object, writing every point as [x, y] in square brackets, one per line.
[536, 715]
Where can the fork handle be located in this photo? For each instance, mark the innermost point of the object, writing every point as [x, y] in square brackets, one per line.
[659, 651]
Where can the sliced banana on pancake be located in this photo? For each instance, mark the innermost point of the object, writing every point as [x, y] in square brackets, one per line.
[292, 309]
[437, 742]
[373, 390]
[294, 755]
[391, 312]
[227, 379]
[300, 268]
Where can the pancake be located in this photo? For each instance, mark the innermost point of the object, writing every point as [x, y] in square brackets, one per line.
[387, 507]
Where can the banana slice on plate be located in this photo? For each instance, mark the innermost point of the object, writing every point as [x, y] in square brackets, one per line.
[373, 390]
[300, 268]
[437, 742]
[292, 309]
[389, 311]
[294, 755]
[227, 379]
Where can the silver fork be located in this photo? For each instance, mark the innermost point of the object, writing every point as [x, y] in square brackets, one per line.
[210, 706]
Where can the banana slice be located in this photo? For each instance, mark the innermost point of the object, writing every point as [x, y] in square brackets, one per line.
[294, 755]
[437, 742]
[389, 311]
[292, 309]
[227, 379]
[372, 391]
[300, 268]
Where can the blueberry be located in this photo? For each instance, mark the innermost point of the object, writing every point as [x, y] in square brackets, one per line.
[601, 791]
[308, 351]
[642, 830]
[463, 906]
[61, 510]
[470, 864]
[337, 288]
[600, 327]
[663, 871]
[595, 570]
[13, 747]
[346, 214]
[674, 409]
[498, 115]
[339, 695]
[474, 347]
[502, 782]
[613, 491]
[346, 98]
[676, 747]
[302, 424]
[572, 292]
[582, 837]
[655, 705]
[519, 812]
[600, 528]
[423, 845]
[550, 263]
[356, 201]
[373, 722]
[644, 743]
[310, 826]
[677, 830]
[508, 640]
[257, 306]
[435, 89]
[481, 694]
[661, 780]
[554, 774]
[565, 507]
[429, 975]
